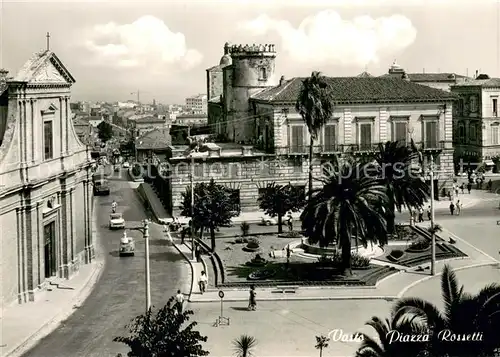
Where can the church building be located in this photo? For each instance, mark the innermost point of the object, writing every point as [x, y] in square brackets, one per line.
[45, 181]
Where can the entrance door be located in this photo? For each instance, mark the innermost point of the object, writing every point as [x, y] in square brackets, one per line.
[49, 236]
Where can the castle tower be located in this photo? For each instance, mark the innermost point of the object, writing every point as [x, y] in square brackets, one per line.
[252, 70]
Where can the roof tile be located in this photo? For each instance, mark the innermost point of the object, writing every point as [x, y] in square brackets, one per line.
[154, 139]
[485, 83]
[359, 89]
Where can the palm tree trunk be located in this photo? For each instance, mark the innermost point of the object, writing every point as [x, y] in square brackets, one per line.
[391, 216]
[212, 238]
[320, 352]
[345, 238]
[280, 224]
[311, 147]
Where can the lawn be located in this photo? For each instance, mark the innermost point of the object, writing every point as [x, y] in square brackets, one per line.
[411, 259]
[299, 270]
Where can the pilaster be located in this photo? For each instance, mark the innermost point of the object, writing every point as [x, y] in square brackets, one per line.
[67, 119]
[61, 127]
[382, 125]
[74, 254]
[448, 127]
[21, 255]
[347, 126]
[89, 236]
[32, 250]
[65, 234]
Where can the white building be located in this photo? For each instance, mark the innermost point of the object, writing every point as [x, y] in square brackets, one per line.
[197, 104]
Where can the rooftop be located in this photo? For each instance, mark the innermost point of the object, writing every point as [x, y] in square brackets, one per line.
[484, 83]
[226, 150]
[192, 116]
[428, 77]
[359, 90]
[154, 139]
[37, 63]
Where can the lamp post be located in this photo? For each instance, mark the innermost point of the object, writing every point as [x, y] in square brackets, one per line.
[191, 183]
[433, 236]
[145, 233]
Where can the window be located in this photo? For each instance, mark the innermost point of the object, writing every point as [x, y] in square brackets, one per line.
[400, 131]
[297, 166]
[198, 170]
[262, 73]
[495, 106]
[48, 142]
[494, 134]
[461, 132]
[365, 136]
[473, 104]
[234, 197]
[431, 134]
[262, 191]
[472, 132]
[297, 138]
[330, 143]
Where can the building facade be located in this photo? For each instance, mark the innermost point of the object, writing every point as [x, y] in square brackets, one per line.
[197, 104]
[45, 181]
[268, 140]
[476, 123]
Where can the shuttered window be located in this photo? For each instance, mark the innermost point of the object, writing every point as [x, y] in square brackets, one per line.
[297, 138]
[365, 136]
[494, 134]
[400, 132]
[330, 138]
[431, 134]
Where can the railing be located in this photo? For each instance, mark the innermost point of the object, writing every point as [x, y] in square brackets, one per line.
[431, 145]
[361, 147]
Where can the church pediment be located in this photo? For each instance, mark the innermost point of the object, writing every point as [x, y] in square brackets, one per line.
[44, 67]
[48, 73]
[50, 110]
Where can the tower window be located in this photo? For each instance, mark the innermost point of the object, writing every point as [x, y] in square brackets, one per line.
[262, 73]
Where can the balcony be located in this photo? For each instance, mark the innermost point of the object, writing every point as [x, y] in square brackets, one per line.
[431, 145]
[361, 148]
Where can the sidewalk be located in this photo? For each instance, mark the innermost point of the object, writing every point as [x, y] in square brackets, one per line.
[23, 325]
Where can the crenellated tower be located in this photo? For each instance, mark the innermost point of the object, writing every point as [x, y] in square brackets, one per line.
[252, 70]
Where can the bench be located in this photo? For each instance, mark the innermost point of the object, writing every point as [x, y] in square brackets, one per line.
[287, 288]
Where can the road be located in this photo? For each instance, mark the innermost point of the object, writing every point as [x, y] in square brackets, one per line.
[119, 295]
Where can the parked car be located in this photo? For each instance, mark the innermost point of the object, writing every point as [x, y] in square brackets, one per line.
[268, 221]
[126, 165]
[116, 221]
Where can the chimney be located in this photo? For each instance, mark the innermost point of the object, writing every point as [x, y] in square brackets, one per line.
[477, 73]
[282, 80]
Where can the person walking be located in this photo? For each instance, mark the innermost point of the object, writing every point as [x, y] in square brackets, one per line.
[469, 187]
[203, 282]
[462, 187]
[452, 208]
[179, 301]
[459, 207]
[429, 214]
[252, 301]
[420, 215]
[290, 222]
[197, 253]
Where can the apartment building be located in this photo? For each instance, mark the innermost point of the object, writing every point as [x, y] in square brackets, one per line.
[197, 104]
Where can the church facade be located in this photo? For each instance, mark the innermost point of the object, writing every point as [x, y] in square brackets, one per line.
[45, 181]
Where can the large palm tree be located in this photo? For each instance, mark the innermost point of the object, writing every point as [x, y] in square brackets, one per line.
[463, 315]
[405, 187]
[315, 105]
[346, 206]
[389, 334]
[244, 345]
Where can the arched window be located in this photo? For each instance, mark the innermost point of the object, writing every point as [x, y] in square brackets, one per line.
[461, 131]
[494, 133]
[472, 131]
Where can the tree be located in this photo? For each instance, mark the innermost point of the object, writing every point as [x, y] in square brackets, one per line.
[164, 334]
[277, 200]
[404, 186]
[105, 131]
[389, 344]
[346, 206]
[464, 314]
[244, 346]
[213, 207]
[315, 105]
[321, 342]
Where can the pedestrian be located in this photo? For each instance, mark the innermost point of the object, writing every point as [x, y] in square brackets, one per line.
[489, 185]
[456, 191]
[462, 187]
[429, 215]
[197, 253]
[288, 253]
[290, 222]
[420, 215]
[179, 301]
[459, 207]
[469, 187]
[415, 216]
[183, 234]
[452, 208]
[203, 282]
[252, 301]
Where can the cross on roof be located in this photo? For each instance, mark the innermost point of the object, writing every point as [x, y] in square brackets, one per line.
[48, 41]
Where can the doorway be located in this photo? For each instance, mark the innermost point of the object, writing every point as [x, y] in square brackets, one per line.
[50, 261]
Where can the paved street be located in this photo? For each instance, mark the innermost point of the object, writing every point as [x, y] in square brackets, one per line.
[120, 294]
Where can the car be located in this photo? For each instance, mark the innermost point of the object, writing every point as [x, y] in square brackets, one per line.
[268, 221]
[116, 221]
[128, 248]
[126, 165]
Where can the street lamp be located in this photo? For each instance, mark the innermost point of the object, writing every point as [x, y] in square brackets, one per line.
[191, 184]
[433, 236]
[145, 233]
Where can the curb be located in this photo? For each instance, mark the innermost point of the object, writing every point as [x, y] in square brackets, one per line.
[49, 326]
[415, 283]
[190, 266]
[303, 298]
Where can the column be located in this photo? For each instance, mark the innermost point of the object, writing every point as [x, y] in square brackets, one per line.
[67, 119]
[74, 258]
[448, 127]
[32, 250]
[61, 126]
[89, 236]
[32, 130]
[21, 256]
[40, 243]
[65, 252]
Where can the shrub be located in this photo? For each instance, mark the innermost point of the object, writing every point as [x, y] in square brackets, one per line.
[330, 260]
[292, 234]
[420, 244]
[245, 228]
[241, 240]
[253, 244]
[397, 253]
[136, 170]
[359, 261]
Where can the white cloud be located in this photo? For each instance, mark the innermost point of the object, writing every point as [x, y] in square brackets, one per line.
[147, 42]
[327, 38]
[354, 3]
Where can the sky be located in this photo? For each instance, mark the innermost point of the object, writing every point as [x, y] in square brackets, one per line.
[162, 48]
